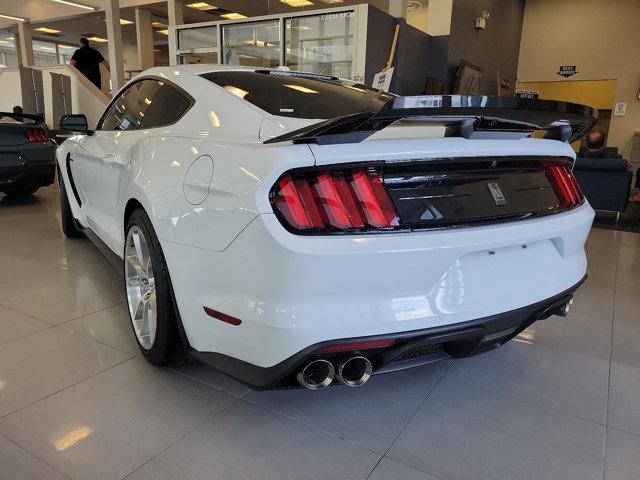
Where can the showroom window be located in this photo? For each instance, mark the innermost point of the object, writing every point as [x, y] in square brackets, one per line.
[44, 53]
[65, 52]
[321, 44]
[296, 96]
[166, 108]
[128, 110]
[198, 37]
[252, 43]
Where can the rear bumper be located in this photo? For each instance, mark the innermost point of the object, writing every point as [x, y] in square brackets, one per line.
[292, 292]
[27, 166]
[410, 349]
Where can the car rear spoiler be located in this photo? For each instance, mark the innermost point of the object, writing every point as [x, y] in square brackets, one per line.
[461, 115]
[37, 117]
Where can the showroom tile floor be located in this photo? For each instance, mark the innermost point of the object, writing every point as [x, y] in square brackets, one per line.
[77, 401]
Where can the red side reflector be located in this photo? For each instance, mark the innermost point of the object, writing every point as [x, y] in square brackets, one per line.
[357, 346]
[223, 317]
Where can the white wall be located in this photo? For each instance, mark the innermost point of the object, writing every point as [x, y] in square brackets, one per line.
[10, 92]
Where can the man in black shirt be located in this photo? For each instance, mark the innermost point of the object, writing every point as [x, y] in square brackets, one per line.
[87, 60]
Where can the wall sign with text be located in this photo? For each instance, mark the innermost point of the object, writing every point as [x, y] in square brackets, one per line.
[567, 70]
[527, 94]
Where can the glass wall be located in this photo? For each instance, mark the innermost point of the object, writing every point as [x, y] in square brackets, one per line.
[8, 55]
[252, 43]
[65, 52]
[198, 38]
[44, 53]
[49, 53]
[321, 44]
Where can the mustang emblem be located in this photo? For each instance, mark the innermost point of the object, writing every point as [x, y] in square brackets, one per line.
[496, 193]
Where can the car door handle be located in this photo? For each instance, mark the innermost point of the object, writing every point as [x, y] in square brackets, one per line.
[108, 155]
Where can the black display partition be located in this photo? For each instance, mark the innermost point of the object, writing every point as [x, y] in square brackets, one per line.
[418, 55]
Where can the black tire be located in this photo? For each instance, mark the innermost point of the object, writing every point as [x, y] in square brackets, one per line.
[69, 226]
[21, 192]
[167, 348]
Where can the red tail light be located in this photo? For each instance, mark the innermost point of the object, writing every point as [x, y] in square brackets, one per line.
[340, 200]
[36, 135]
[566, 186]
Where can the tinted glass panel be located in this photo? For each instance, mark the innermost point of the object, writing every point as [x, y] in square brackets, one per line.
[321, 44]
[197, 37]
[298, 96]
[127, 112]
[252, 43]
[166, 108]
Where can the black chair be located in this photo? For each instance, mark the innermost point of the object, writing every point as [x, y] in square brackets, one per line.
[605, 181]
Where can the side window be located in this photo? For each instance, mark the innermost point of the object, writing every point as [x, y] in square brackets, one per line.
[127, 112]
[166, 108]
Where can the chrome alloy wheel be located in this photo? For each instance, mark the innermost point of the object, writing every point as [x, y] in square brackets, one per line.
[141, 287]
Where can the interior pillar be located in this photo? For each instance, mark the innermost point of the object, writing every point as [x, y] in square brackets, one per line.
[114, 35]
[26, 45]
[144, 37]
[398, 8]
[176, 12]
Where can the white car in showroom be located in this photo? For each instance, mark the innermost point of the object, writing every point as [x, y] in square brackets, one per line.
[298, 229]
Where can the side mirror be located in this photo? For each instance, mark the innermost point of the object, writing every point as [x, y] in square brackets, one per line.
[75, 123]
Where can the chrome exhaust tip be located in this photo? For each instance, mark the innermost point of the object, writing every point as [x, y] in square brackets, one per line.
[316, 375]
[354, 371]
[563, 310]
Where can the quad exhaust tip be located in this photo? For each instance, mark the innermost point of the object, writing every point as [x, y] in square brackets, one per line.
[316, 375]
[563, 310]
[354, 371]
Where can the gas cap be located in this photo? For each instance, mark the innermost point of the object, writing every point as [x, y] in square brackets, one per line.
[197, 180]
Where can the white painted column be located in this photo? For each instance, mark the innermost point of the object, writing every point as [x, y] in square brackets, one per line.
[175, 9]
[114, 35]
[398, 8]
[144, 37]
[26, 45]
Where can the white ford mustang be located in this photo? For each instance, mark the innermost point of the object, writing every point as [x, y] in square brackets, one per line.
[283, 249]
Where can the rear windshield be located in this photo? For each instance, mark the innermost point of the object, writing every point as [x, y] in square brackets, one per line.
[298, 96]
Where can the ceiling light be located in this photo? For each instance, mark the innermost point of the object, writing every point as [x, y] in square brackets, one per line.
[164, 32]
[10, 38]
[74, 4]
[333, 1]
[158, 25]
[19, 19]
[297, 3]
[5, 42]
[95, 38]
[202, 6]
[68, 47]
[233, 16]
[47, 30]
[124, 21]
[300, 88]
